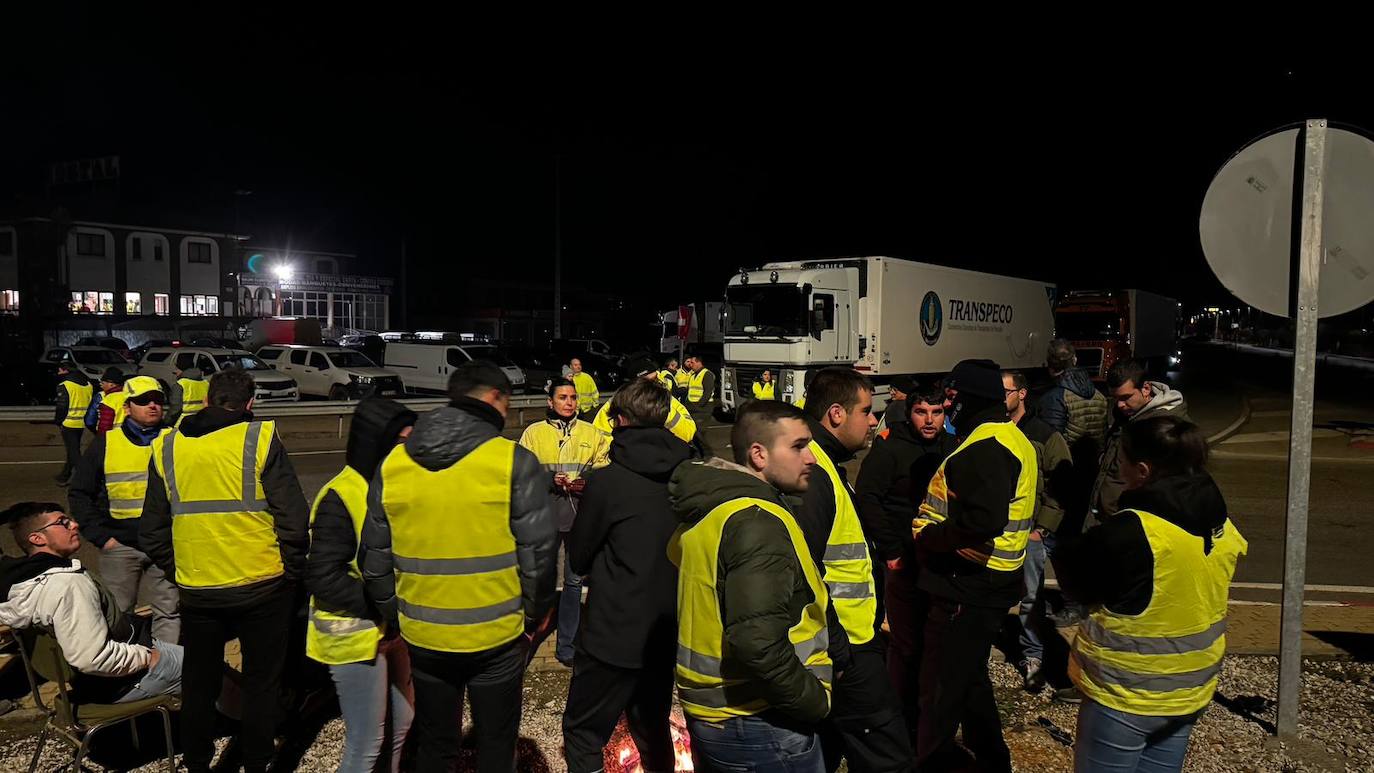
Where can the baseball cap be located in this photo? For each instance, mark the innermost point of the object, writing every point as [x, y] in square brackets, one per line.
[141, 385]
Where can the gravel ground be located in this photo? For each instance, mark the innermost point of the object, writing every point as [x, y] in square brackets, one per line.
[1234, 735]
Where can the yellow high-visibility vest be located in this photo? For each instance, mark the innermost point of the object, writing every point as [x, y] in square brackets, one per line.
[222, 534]
[764, 391]
[126, 474]
[78, 400]
[679, 421]
[848, 566]
[115, 402]
[457, 589]
[665, 377]
[1165, 661]
[1007, 552]
[696, 387]
[578, 452]
[193, 392]
[708, 683]
[331, 638]
[587, 393]
[682, 379]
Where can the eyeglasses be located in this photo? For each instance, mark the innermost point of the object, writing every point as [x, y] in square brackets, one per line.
[62, 520]
[147, 400]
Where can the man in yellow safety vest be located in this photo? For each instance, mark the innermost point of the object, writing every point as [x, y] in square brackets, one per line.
[74, 395]
[588, 395]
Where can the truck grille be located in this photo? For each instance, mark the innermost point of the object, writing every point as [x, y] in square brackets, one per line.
[274, 386]
[1090, 360]
[746, 375]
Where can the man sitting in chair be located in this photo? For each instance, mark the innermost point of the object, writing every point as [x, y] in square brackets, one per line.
[112, 652]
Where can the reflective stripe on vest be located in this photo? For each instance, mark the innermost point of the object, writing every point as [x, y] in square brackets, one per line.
[696, 387]
[79, 398]
[1007, 552]
[574, 454]
[764, 391]
[587, 394]
[335, 639]
[222, 534]
[711, 685]
[457, 589]
[848, 566]
[193, 392]
[1164, 661]
[682, 379]
[679, 421]
[126, 474]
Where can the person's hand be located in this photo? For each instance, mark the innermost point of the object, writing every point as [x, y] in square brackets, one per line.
[560, 480]
[1036, 535]
[153, 657]
[111, 544]
[917, 525]
[575, 487]
[894, 564]
[541, 629]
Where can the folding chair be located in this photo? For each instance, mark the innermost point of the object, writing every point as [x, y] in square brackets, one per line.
[74, 722]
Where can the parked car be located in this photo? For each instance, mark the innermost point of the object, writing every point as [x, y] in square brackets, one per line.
[539, 366]
[425, 366]
[607, 373]
[116, 344]
[332, 371]
[163, 362]
[370, 344]
[136, 353]
[91, 360]
[211, 342]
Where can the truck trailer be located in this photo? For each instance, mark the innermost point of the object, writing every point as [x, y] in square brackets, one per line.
[1108, 326]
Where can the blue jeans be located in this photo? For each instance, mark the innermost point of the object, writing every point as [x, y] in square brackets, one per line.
[1118, 742]
[569, 609]
[366, 692]
[753, 745]
[164, 678]
[1032, 614]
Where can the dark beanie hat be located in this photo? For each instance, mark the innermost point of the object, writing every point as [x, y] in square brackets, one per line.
[377, 422]
[978, 378]
[905, 384]
[113, 375]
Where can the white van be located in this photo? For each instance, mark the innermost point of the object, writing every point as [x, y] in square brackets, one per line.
[162, 362]
[332, 372]
[425, 367]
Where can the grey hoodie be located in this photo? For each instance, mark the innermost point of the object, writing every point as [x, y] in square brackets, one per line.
[441, 438]
[1109, 485]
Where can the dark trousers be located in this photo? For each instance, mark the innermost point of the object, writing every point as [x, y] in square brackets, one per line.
[865, 725]
[493, 680]
[260, 629]
[598, 694]
[907, 607]
[956, 690]
[71, 439]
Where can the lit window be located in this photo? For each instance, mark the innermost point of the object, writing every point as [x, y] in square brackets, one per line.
[198, 252]
[107, 303]
[133, 303]
[161, 303]
[211, 304]
[9, 301]
[91, 302]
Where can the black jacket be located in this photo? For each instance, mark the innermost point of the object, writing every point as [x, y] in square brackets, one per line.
[760, 583]
[1113, 565]
[441, 438]
[62, 402]
[892, 484]
[333, 544]
[87, 499]
[619, 543]
[982, 482]
[285, 503]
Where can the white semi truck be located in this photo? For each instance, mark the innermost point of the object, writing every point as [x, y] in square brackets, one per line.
[885, 317]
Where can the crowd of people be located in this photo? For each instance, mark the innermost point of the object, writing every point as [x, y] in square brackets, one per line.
[800, 620]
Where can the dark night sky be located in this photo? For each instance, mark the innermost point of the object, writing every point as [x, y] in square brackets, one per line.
[682, 160]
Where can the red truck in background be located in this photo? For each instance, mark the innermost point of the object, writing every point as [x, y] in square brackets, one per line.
[1108, 326]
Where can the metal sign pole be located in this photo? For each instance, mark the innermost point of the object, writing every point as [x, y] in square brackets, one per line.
[1300, 434]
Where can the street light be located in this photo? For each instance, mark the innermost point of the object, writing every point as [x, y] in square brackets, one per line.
[284, 271]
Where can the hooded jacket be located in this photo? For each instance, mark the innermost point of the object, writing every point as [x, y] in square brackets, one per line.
[1109, 484]
[441, 438]
[285, 503]
[333, 542]
[759, 580]
[62, 403]
[619, 544]
[58, 595]
[1074, 408]
[892, 484]
[1113, 564]
[88, 499]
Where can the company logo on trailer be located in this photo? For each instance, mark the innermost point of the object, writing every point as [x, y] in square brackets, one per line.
[932, 318]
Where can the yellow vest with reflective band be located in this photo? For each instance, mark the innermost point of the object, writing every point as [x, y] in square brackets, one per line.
[587, 394]
[848, 566]
[126, 474]
[1007, 552]
[696, 389]
[222, 534]
[457, 586]
[331, 638]
[711, 686]
[575, 454]
[78, 400]
[115, 401]
[682, 379]
[193, 392]
[665, 377]
[679, 421]
[764, 391]
[1164, 661]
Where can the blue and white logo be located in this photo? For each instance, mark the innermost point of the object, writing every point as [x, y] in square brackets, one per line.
[932, 318]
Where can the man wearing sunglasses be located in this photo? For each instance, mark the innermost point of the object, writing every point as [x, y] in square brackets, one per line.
[115, 659]
[106, 498]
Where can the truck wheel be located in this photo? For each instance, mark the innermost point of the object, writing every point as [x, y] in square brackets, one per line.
[337, 393]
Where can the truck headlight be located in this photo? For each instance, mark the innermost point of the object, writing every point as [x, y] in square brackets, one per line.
[787, 381]
[727, 378]
[360, 379]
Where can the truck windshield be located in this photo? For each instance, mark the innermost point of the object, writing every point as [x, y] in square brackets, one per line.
[1087, 325]
[773, 310]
